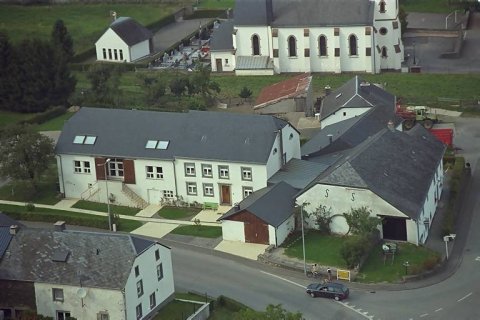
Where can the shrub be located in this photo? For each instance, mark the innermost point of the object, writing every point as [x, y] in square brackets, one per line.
[48, 114]
[353, 250]
[430, 262]
[30, 207]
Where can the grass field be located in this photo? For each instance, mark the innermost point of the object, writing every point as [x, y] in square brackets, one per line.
[55, 124]
[216, 4]
[199, 231]
[7, 117]
[85, 22]
[177, 213]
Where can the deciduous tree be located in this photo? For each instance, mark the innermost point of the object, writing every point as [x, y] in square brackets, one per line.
[360, 221]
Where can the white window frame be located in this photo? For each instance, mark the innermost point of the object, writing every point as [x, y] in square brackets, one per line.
[137, 271]
[159, 271]
[116, 167]
[64, 314]
[153, 172]
[247, 174]
[138, 311]
[139, 288]
[190, 169]
[207, 171]
[247, 191]
[153, 302]
[77, 166]
[208, 190]
[192, 188]
[103, 315]
[157, 255]
[223, 172]
[57, 294]
[168, 194]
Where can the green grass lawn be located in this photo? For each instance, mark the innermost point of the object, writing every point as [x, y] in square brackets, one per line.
[374, 269]
[55, 124]
[85, 22]
[7, 117]
[102, 207]
[74, 218]
[433, 6]
[199, 231]
[319, 248]
[177, 310]
[216, 4]
[177, 213]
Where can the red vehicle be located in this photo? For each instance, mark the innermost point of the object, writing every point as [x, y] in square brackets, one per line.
[414, 114]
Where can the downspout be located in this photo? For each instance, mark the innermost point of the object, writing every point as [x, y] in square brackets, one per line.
[61, 172]
[374, 49]
[281, 149]
[124, 303]
[175, 178]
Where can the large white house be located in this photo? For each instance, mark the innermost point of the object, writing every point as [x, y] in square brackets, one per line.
[276, 36]
[156, 157]
[61, 273]
[124, 41]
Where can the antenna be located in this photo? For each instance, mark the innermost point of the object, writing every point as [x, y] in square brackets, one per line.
[81, 293]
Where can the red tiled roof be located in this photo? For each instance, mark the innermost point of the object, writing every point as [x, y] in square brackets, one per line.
[289, 88]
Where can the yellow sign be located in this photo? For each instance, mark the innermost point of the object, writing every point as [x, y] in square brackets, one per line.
[343, 274]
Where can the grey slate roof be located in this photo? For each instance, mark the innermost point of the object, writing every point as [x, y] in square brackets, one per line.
[253, 63]
[204, 135]
[6, 221]
[298, 173]
[305, 13]
[350, 132]
[222, 37]
[355, 93]
[397, 166]
[5, 238]
[271, 204]
[102, 260]
[130, 31]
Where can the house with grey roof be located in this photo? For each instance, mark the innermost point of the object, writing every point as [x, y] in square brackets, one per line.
[125, 40]
[264, 217]
[145, 157]
[86, 275]
[278, 36]
[397, 175]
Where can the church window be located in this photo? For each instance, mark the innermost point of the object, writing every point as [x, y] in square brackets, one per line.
[292, 46]
[352, 40]
[322, 44]
[255, 45]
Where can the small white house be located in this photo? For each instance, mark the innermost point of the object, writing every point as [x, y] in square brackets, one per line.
[277, 36]
[88, 275]
[264, 217]
[124, 41]
[397, 175]
[146, 157]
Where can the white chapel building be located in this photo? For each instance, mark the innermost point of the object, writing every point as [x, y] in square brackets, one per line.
[277, 36]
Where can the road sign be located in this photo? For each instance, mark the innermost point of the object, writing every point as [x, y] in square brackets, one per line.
[343, 274]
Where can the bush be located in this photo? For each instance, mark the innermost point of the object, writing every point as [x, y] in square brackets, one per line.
[353, 250]
[431, 262]
[30, 207]
[48, 114]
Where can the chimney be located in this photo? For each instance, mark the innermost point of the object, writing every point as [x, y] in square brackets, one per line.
[328, 90]
[14, 229]
[330, 138]
[391, 126]
[59, 226]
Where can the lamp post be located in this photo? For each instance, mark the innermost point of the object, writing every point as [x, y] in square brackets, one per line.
[106, 189]
[414, 58]
[303, 241]
[446, 239]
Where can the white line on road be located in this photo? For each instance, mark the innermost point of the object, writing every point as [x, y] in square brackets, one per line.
[423, 315]
[439, 309]
[289, 281]
[355, 310]
[468, 295]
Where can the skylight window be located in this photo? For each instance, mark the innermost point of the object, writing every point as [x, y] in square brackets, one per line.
[79, 139]
[151, 144]
[85, 140]
[90, 140]
[163, 145]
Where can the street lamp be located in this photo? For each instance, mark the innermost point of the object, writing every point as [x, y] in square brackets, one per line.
[106, 189]
[414, 58]
[446, 239]
[303, 241]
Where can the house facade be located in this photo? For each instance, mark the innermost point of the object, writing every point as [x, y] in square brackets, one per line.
[311, 36]
[124, 41]
[172, 156]
[89, 275]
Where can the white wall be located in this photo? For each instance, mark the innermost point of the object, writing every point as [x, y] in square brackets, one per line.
[338, 115]
[282, 230]
[163, 289]
[291, 146]
[152, 189]
[243, 43]
[233, 230]
[227, 67]
[95, 301]
[74, 184]
[139, 50]
[110, 40]
[255, 72]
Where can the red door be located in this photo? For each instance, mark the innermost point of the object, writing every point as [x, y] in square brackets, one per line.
[256, 232]
[226, 194]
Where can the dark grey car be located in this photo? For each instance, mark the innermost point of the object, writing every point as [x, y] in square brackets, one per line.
[331, 290]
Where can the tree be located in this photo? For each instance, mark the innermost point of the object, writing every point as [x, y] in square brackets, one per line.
[360, 221]
[322, 216]
[24, 154]
[62, 40]
[273, 312]
[402, 16]
[178, 86]
[245, 93]
[6, 74]
[353, 249]
[104, 82]
[204, 84]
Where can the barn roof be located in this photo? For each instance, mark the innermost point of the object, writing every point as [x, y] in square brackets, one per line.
[130, 31]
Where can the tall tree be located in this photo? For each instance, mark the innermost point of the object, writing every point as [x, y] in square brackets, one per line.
[6, 74]
[24, 154]
[104, 83]
[62, 40]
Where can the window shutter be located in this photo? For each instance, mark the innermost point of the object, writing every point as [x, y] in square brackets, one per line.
[275, 53]
[337, 52]
[307, 52]
[336, 31]
[368, 52]
[306, 32]
[99, 169]
[395, 24]
[129, 171]
[368, 31]
[275, 33]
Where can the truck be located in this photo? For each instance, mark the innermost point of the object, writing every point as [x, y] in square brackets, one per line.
[414, 114]
[444, 132]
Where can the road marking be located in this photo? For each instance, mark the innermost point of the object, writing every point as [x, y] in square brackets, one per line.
[423, 315]
[355, 310]
[286, 280]
[468, 295]
[439, 309]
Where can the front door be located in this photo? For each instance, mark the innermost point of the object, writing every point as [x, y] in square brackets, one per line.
[226, 194]
[218, 63]
[256, 232]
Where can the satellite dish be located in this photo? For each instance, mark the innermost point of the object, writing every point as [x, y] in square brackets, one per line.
[81, 293]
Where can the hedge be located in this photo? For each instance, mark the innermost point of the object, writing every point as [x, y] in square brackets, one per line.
[92, 52]
[45, 116]
[457, 181]
[208, 13]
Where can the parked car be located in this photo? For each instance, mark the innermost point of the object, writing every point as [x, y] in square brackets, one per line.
[331, 290]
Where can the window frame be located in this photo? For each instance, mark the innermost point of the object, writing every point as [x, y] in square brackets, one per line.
[138, 311]
[159, 271]
[225, 168]
[245, 170]
[155, 173]
[190, 166]
[292, 46]
[384, 52]
[248, 190]
[56, 297]
[140, 288]
[255, 41]
[352, 45]
[208, 186]
[168, 194]
[154, 303]
[137, 271]
[157, 254]
[322, 50]
[207, 170]
[116, 166]
[193, 187]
